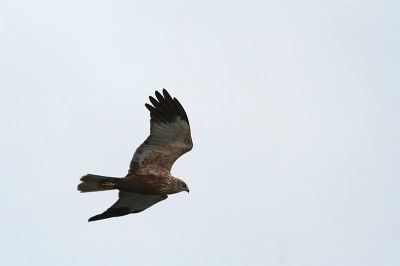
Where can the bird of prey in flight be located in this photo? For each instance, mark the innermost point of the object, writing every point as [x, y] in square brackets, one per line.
[149, 178]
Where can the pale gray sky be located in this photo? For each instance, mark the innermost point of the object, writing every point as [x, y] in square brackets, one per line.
[295, 117]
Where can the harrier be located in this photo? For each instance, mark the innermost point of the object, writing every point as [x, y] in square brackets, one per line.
[149, 178]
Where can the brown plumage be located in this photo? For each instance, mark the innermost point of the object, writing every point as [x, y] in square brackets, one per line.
[149, 178]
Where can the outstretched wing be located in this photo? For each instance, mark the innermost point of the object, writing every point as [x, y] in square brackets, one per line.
[169, 135]
[129, 203]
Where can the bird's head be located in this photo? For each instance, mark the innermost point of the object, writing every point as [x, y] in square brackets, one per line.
[181, 186]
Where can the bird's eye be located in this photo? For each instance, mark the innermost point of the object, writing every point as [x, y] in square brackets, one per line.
[183, 185]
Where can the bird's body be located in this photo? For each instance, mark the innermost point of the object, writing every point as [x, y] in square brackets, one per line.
[149, 179]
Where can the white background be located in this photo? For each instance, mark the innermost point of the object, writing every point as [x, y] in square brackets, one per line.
[294, 110]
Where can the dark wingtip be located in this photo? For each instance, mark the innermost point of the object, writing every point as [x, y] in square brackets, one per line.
[97, 217]
[166, 109]
[111, 212]
[181, 110]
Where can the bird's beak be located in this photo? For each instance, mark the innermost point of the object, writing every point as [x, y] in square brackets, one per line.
[187, 190]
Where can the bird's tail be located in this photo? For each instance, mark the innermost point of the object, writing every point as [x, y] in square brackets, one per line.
[91, 183]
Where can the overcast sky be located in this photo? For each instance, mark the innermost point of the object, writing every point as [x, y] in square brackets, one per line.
[295, 116]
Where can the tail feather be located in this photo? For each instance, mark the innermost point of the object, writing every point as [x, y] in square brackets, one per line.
[92, 183]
